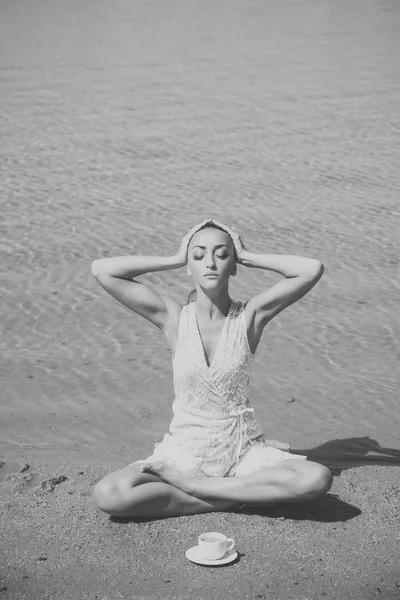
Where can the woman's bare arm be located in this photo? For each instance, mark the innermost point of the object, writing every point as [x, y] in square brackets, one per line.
[128, 267]
[301, 274]
[116, 275]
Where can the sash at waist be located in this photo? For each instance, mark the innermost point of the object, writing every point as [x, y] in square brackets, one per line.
[239, 412]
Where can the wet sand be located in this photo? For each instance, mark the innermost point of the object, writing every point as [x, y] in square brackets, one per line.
[122, 126]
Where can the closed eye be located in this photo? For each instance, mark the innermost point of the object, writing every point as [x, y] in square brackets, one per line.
[217, 255]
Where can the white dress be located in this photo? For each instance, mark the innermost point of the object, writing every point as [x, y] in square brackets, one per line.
[213, 425]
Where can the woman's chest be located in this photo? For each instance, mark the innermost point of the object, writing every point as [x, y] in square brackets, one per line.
[210, 338]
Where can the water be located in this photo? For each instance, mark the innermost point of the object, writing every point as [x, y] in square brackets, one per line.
[124, 124]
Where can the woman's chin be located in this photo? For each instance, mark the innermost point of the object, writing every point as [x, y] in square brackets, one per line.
[212, 284]
[208, 282]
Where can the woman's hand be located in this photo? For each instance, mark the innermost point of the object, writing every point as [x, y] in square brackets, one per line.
[239, 246]
[182, 253]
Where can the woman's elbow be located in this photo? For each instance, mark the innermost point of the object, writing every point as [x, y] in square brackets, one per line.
[315, 269]
[318, 269]
[97, 268]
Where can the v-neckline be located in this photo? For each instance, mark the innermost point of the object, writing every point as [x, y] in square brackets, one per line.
[206, 361]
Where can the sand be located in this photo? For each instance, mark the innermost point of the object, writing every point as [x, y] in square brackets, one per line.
[122, 126]
[58, 546]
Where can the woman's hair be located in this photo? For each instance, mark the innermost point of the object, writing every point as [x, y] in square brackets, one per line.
[193, 294]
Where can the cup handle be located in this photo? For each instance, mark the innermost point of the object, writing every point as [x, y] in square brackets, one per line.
[229, 543]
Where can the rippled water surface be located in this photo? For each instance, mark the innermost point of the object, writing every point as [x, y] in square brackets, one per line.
[125, 123]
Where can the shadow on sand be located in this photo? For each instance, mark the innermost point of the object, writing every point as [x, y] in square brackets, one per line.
[328, 509]
[344, 454]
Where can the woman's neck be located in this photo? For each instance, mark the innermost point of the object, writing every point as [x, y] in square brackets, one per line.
[212, 307]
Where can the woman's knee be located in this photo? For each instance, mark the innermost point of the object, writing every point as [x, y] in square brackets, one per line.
[105, 495]
[316, 480]
[113, 491]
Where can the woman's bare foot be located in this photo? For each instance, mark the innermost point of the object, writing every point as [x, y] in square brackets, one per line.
[166, 473]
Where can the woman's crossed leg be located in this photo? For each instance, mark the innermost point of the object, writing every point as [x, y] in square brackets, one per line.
[129, 492]
[161, 491]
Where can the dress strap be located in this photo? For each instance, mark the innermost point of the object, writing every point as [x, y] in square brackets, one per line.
[184, 322]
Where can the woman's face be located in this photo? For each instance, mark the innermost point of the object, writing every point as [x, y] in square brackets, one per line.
[211, 257]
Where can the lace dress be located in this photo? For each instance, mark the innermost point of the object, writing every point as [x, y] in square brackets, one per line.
[213, 424]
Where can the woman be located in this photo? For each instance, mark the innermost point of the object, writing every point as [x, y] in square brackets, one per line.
[215, 456]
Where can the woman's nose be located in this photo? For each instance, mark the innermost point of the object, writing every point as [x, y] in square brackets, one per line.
[210, 262]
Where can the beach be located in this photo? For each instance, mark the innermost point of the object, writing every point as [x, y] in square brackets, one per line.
[123, 125]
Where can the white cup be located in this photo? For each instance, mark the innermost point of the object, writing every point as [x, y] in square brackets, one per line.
[213, 545]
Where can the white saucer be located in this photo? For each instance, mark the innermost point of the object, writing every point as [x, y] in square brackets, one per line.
[193, 555]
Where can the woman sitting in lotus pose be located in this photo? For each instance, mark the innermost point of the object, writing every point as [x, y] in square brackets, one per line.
[215, 456]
